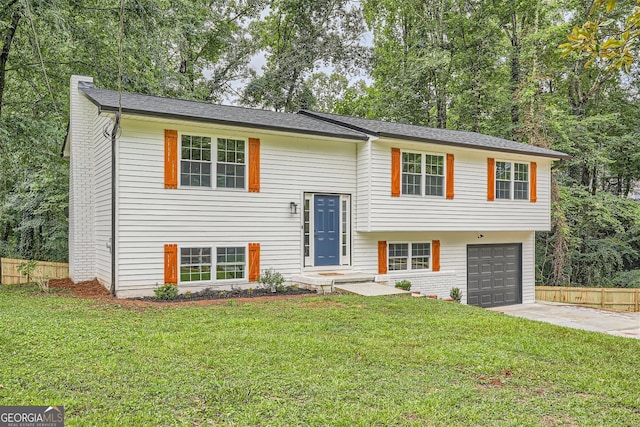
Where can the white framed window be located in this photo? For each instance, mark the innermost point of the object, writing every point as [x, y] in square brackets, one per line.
[231, 163]
[231, 263]
[199, 161]
[195, 161]
[434, 175]
[423, 174]
[409, 256]
[411, 173]
[512, 180]
[195, 264]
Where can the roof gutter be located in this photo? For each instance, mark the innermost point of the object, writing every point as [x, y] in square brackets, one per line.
[114, 133]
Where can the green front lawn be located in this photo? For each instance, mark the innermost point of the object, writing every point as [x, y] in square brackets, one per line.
[336, 360]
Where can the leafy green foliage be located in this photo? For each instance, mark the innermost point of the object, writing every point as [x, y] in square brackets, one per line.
[602, 234]
[612, 41]
[404, 284]
[166, 292]
[27, 269]
[456, 294]
[298, 36]
[626, 279]
[272, 279]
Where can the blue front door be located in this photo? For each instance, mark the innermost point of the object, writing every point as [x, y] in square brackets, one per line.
[326, 217]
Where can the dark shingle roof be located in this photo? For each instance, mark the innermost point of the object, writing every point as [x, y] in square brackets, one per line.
[437, 136]
[133, 103]
[306, 122]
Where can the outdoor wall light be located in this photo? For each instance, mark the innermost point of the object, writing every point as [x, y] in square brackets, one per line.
[293, 206]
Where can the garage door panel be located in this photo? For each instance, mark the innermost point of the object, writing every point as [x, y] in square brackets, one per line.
[486, 253]
[485, 299]
[498, 267]
[485, 284]
[494, 275]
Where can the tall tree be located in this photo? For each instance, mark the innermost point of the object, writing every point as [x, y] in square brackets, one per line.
[298, 37]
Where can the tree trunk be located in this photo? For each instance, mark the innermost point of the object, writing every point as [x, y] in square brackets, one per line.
[6, 47]
[515, 73]
[441, 103]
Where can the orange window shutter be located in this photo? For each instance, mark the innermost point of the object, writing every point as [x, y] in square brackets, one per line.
[533, 182]
[449, 178]
[491, 179]
[171, 264]
[170, 158]
[435, 255]
[382, 257]
[254, 262]
[254, 165]
[395, 172]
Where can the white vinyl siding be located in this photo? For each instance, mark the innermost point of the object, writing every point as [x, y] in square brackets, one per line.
[453, 259]
[102, 214]
[468, 211]
[151, 216]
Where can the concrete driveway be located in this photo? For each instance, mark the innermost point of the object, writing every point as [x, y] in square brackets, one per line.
[573, 316]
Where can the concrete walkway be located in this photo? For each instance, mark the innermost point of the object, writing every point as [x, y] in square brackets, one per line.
[369, 289]
[573, 316]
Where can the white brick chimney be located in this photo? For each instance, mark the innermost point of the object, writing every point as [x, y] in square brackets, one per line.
[82, 113]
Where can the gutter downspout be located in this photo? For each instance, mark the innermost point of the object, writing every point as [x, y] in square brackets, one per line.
[114, 132]
[558, 165]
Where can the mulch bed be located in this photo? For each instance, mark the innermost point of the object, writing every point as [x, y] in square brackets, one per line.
[92, 289]
[208, 294]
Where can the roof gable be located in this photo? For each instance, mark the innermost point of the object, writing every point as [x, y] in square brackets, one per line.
[133, 103]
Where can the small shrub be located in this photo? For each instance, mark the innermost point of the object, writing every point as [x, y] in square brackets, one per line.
[456, 294]
[271, 279]
[166, 292]
[404, 284]
[27, 269]
[43, 283]
[187, 295]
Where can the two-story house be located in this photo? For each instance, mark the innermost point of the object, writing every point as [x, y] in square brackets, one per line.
[206, 195]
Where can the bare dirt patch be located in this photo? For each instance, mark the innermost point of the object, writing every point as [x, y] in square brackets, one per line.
[91, 289]
[495, 382]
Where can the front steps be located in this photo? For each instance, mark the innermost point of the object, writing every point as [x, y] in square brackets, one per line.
[348, 281]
